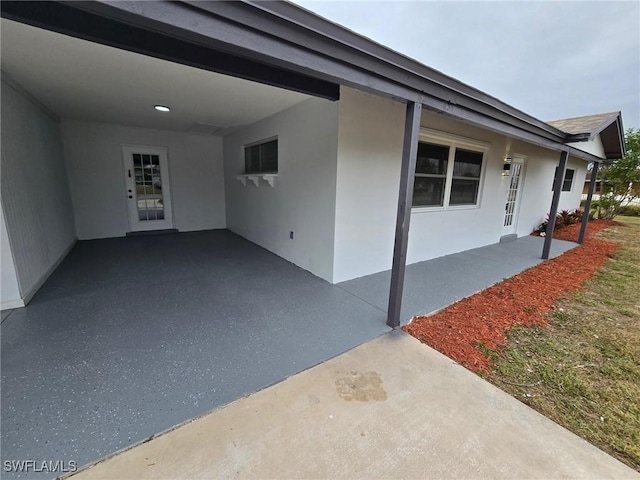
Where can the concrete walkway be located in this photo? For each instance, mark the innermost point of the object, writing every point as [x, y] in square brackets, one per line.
[391, 408]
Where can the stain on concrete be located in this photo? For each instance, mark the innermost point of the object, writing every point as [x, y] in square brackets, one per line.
[313, 400]
[360, 386]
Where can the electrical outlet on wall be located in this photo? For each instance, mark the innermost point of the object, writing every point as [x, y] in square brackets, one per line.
[291, 235]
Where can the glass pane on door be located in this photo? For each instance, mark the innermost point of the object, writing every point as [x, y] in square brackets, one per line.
[148, 179]
[512, 194]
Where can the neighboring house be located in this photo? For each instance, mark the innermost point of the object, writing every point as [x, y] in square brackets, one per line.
[284, 128]
[597, 190]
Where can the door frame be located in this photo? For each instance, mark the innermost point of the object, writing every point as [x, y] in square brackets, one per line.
[522, 161]
[135, 225]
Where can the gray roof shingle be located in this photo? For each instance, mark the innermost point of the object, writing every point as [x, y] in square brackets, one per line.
[587, 124]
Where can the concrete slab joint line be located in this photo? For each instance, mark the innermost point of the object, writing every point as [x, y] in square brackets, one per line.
[360, 416]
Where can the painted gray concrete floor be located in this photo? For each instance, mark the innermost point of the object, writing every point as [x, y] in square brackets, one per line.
[4, 314]
[363, 416]
[132, 336]
[434, 284]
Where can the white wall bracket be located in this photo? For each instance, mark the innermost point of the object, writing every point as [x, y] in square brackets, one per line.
[267, 177]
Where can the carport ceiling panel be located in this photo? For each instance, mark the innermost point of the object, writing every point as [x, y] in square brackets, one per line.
[74, 21]
[89, 81]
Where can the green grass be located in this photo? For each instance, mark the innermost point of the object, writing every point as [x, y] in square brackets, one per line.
[629, 220]
[583, 371]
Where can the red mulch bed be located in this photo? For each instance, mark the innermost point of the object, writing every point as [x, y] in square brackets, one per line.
[524, 300]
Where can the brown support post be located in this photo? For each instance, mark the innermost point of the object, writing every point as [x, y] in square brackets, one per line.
[587, 205]
[557, 189]
[405, 199]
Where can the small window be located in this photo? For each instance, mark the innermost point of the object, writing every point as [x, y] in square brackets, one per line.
[261, 157]
[447, 175]
[568, 180]
[567, 183]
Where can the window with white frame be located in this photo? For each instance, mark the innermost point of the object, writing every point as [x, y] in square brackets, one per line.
[448, 173]
[261, 157]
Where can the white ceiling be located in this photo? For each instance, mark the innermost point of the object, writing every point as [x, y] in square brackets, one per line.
[86, 81]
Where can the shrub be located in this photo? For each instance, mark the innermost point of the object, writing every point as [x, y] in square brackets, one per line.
[542, 228]
[577, 215]
[629, 210]
[594, 203]
[566, 218]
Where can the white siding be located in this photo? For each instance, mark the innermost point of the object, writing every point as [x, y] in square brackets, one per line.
[9, 290]
[368, 174]
[571, 200]
[302, 199]
[593, 147]
[369, 156]
[96, 175]
[437, 233]
[35, 193]
[537, 188]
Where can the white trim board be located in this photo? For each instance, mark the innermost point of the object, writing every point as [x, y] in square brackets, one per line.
[11, 304]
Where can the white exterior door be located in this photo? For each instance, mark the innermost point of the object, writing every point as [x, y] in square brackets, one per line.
[516, 176]
[148, 192]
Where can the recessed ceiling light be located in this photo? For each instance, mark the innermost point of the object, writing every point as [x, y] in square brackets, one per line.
[162, 108]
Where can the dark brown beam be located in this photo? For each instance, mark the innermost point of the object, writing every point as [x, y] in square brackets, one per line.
[587, 205]
[405, 200]
[557, 189]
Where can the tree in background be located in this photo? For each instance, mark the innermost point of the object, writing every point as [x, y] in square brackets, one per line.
[620, 179]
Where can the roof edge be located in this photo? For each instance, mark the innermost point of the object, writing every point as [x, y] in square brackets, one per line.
[609, 121]
[293, 40]
[320, 25]
[610, 131]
